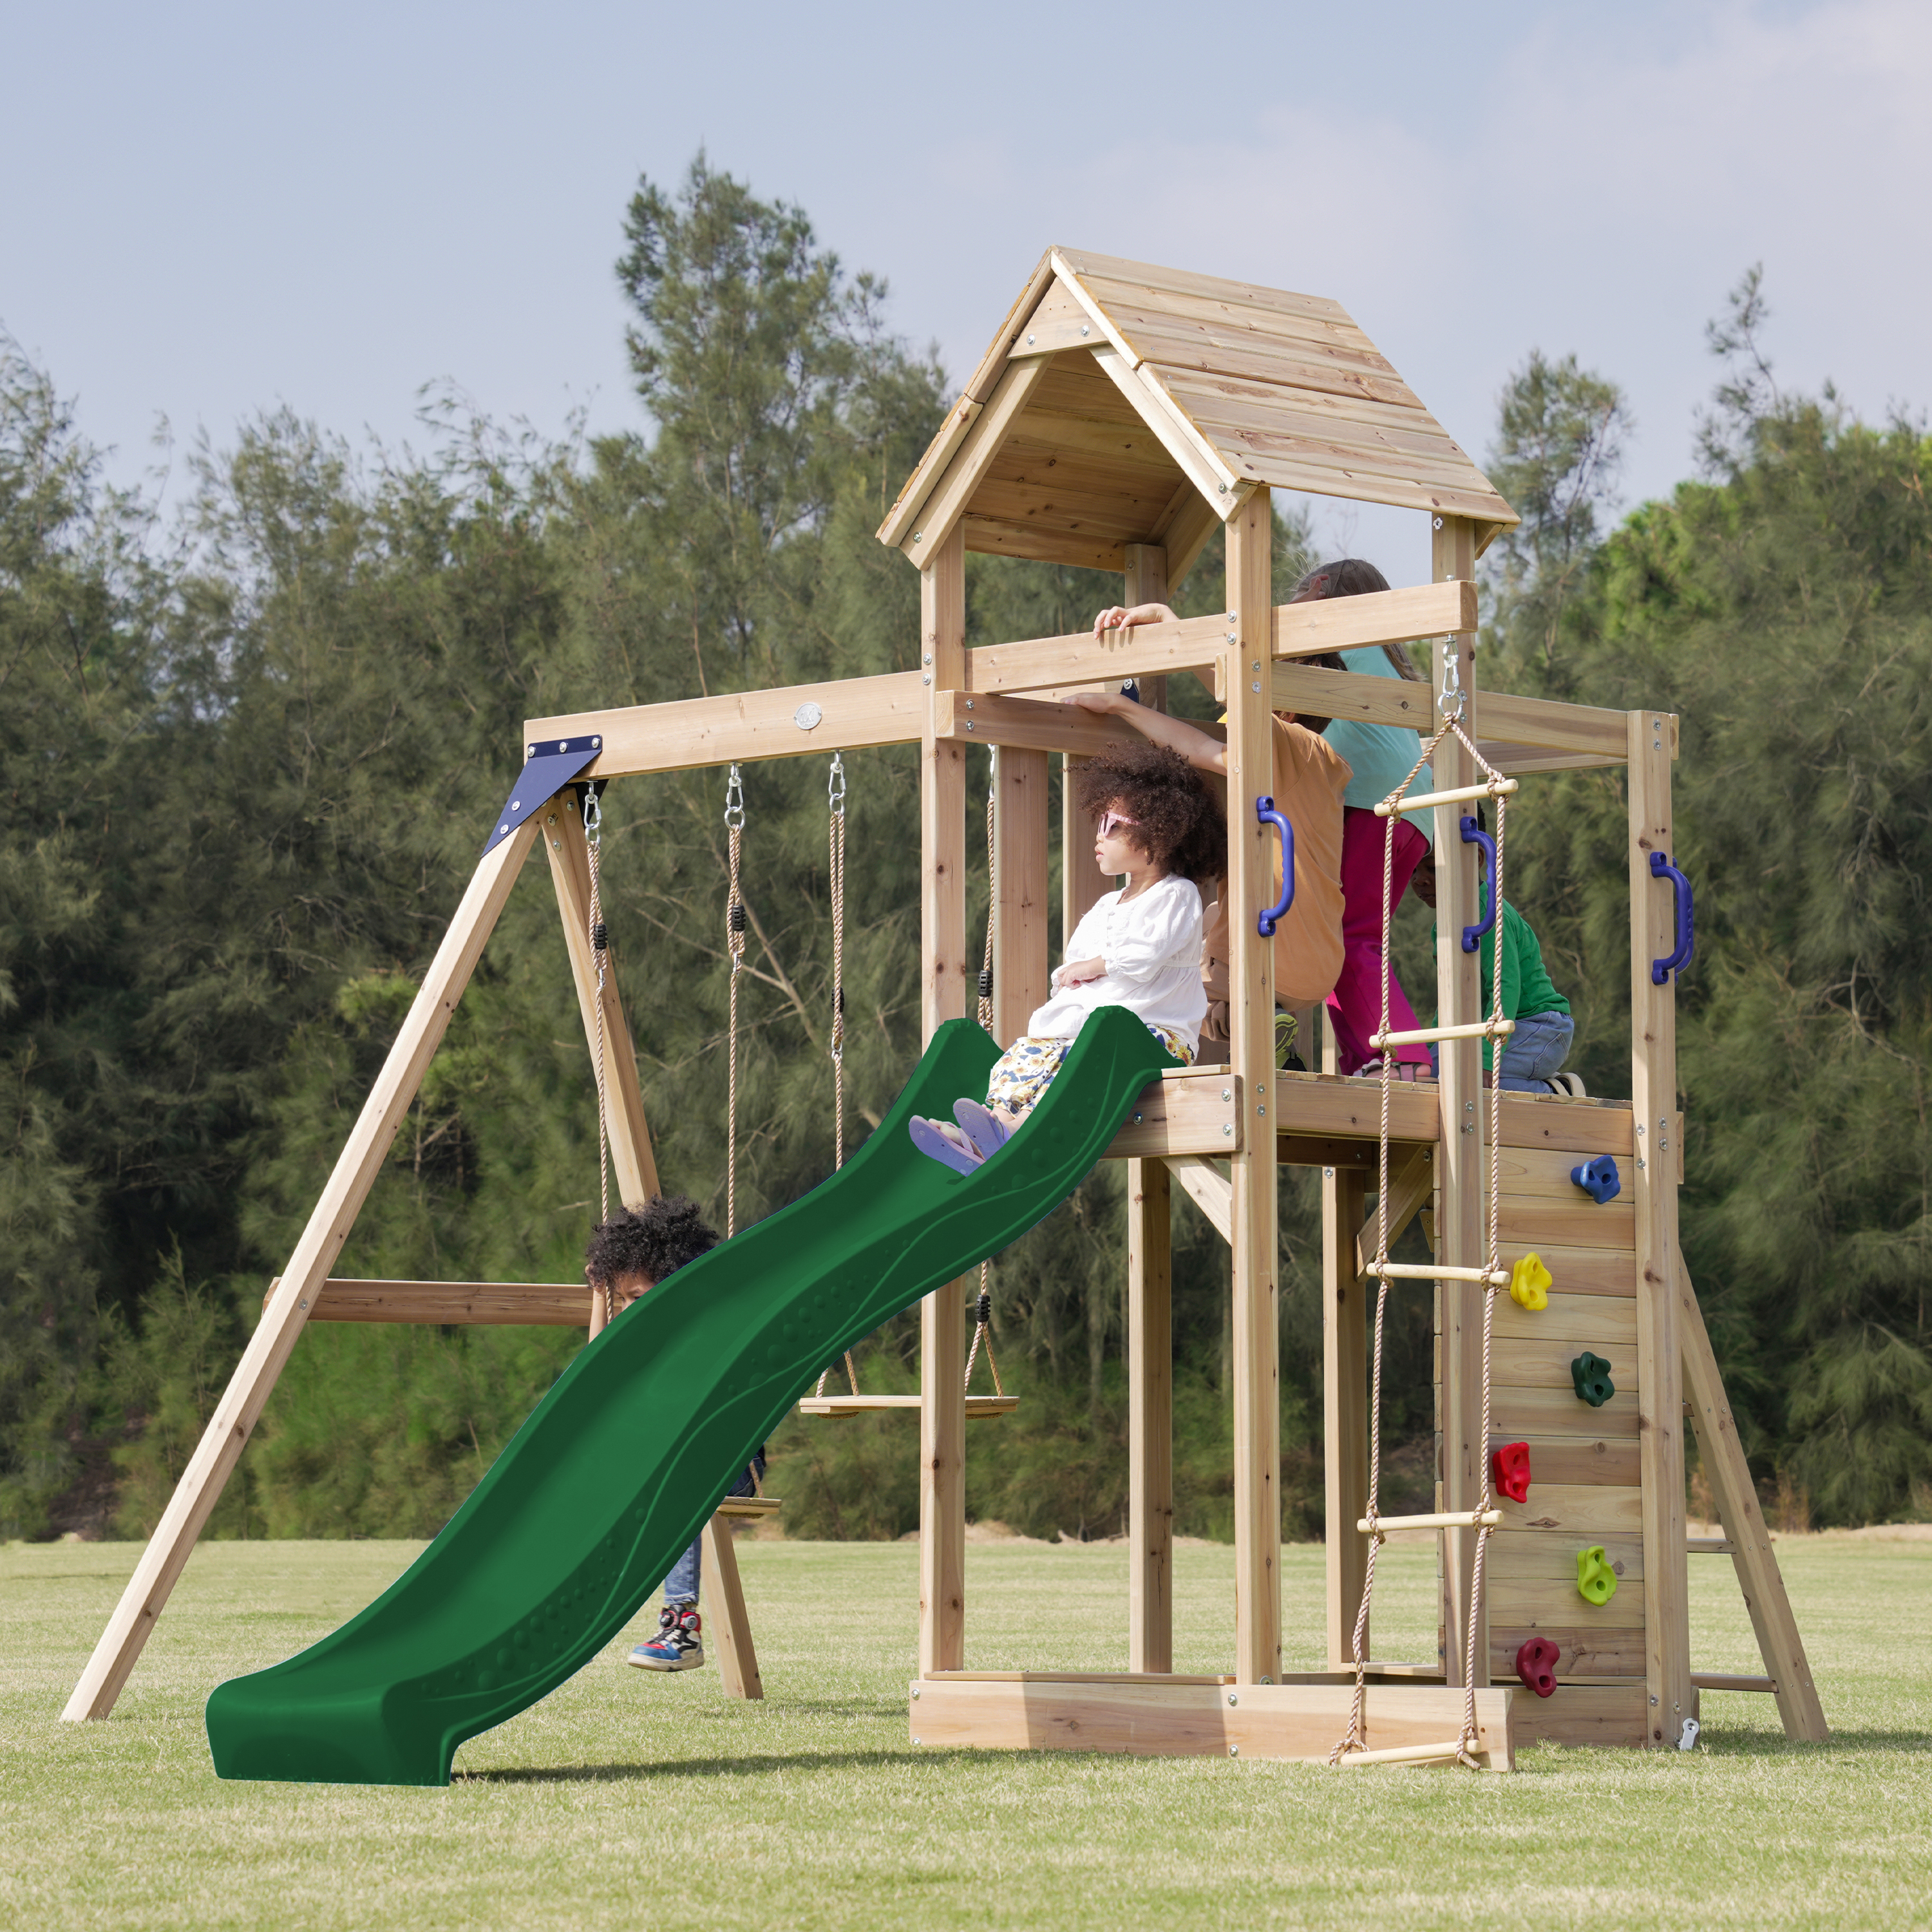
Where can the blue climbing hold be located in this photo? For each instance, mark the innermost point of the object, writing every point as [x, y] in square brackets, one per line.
[1598, 1179]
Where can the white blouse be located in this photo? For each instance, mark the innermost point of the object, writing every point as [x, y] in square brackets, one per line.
[1151, 948]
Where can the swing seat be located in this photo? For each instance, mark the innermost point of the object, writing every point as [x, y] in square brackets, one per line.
[977, 1406]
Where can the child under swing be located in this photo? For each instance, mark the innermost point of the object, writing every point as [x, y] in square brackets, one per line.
[1139, 947]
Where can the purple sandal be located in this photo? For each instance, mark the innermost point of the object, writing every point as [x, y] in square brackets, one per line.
[982, 1126]
[932, 1141]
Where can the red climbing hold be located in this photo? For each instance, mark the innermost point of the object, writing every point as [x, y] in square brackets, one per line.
[1536, 1663]
[1509, 1468]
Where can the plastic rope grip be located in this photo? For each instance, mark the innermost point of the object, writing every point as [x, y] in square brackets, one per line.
[1536, 1663]
[1509, 1469]
[1530, 1283]
[1596, 1581]
[1592, 1375]
[1599, 1179]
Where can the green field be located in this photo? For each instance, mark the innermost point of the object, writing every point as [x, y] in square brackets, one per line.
[626, 1798]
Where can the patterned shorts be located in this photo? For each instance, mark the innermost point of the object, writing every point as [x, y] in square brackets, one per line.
[1025, 1070]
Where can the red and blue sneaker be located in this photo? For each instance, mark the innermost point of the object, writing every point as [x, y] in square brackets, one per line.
[678, 1645]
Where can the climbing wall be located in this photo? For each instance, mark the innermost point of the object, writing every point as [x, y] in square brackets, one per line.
[1585, 1490]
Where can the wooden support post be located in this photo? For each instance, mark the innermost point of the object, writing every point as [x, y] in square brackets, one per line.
[1149, 1418]
[1345, 1297]
[1758, 1577]
[1020, 937]
[283, 1321]
[631, 1156]
[1666, 1587]
[730, 1628]
[1081, 882]
[1460, 1223]
[1250, 885]
[1146, 582]
[942, 1490]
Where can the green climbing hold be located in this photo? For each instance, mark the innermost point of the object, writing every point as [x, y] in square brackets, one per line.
[1596, 1581]
[1592, 1375]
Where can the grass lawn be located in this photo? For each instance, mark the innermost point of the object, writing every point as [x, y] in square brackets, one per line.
[626, 1798]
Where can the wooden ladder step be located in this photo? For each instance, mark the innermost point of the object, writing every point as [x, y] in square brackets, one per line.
[1718, 1680]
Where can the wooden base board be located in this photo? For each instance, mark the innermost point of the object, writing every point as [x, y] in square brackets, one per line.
[1175, 1717]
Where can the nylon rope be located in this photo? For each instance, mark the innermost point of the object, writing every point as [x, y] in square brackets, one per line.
[835, 791]
[593, 839]
[734, 941]
[1355, 1737]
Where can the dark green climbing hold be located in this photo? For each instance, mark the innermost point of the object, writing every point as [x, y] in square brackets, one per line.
[1592, 1375]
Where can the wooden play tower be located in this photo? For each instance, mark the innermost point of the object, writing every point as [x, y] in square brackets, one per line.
[1122, 414]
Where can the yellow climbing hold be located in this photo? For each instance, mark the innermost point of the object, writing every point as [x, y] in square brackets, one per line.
[1530, 1282]
[1596, 1581]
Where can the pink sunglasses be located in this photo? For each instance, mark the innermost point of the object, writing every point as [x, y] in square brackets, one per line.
[1111, 820]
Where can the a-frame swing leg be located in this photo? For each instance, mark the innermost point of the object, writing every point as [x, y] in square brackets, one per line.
[286, 1313]
[624, 1101]
[731, 1627]
[1758, 1577]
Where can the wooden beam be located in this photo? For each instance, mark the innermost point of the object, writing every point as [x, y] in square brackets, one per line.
[1177, 1718]
[1209, 1189]
[1184, 536]
[1060, 320]
[1077, 657]
[1022, 890]
[1322, 693]
[1666, 1587]
[944, 996]
[1200, 462]
[1183, 1113]
[1384, 617]
[240, 1407]
[1461, 1237]
[548, 1304]
[917, 487]
[1411, 1188]
[1026, 724]
[730, 1629]
[630, 1133]
[1249, 884]
[1345, 1409]
[1149, 1352]
[798, 720]
[1560, 727]
[939, 516]
[1758, 1577]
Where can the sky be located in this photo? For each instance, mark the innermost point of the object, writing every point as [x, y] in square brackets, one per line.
[214, 209]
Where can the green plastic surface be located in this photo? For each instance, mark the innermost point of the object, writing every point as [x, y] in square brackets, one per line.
[618, 1467]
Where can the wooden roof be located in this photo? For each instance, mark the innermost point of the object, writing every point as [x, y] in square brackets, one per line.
[1122, 404]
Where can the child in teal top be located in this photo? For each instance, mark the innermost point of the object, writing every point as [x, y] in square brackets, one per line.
[1534, 1055]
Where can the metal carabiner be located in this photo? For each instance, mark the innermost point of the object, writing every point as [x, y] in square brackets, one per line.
[1450, 701]
[734, 802]
[835, 788]
[593, 814]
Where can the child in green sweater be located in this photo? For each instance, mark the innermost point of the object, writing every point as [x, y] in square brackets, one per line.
[1533, 1055]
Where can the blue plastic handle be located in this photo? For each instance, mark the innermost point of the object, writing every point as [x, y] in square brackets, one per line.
[1473, 936]
[1661, 970]
[1266, 814]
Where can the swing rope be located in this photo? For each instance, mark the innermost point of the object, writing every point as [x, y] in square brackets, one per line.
[1354, 1738]
[835, 788]
[734, 942]
[982, 1330]
[599, 937]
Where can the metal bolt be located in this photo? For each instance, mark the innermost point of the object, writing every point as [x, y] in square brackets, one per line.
[1259, 1088]
[1254, 687]
[1234, 1751]
[1439, 523]
[927, 678]
[915, 1692]
[1083, 328]
[594, 743]
[969, 723]
[1226, 1128]
[1267, 1680]
[304, 1304]
[1327, 1173]
[1262, 1112]
[1232, 1699]
[915, 535]
[1227, 1092]
[927, 659]
[1137, 1120]
[556, 844]
[919, 1741]
[969, 704]
[1030, 341]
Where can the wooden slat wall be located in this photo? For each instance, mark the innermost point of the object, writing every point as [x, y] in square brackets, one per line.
[1586, 1481]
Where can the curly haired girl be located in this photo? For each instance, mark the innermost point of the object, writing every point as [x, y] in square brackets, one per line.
[1139, 947]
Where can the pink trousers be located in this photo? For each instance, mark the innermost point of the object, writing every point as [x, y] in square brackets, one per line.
[1355, 1006]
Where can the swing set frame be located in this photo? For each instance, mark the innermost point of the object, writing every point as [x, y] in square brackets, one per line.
[1122, 414]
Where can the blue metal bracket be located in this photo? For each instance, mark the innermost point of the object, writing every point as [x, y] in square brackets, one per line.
[547, 769]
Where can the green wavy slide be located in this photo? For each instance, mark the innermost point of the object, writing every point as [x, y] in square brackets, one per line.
[618, 1467]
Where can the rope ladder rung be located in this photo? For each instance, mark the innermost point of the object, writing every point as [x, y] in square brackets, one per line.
[1381, 1526]
[1438, 1271]
[1420, 1036]
[1491, 788]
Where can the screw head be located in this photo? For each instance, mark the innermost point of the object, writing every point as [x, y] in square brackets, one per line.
[1234, 1751]
[1232, 1699]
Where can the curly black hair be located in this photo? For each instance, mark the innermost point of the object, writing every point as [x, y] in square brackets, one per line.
[1176, 821]
[653, 1240]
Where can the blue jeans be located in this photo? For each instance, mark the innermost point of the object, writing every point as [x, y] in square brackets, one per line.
[1536, 1050]
[680, 1587]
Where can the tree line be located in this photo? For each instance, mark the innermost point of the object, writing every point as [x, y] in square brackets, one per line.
[248, 748]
